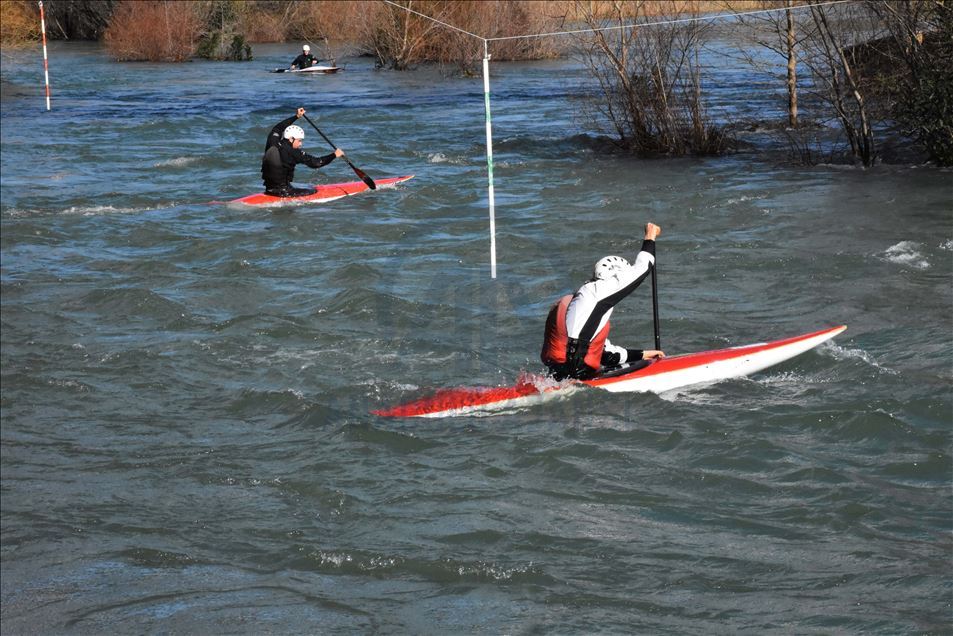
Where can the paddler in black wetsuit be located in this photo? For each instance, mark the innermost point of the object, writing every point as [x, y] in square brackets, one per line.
[305, 60]
[282, 153]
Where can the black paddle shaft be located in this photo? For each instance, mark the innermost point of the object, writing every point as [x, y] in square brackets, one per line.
[360, 173]
[658, 341]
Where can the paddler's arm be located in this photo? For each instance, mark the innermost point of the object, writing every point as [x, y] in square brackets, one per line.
[648, 241]
[644, 260]
[647, 354]
[317, 162]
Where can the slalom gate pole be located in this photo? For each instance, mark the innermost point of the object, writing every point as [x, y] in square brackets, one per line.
[46, 64]
[658, 341]
[489, 156]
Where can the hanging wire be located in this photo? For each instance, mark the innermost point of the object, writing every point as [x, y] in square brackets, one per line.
[636, 25]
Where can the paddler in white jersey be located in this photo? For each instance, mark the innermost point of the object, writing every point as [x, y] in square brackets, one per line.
[576, 343]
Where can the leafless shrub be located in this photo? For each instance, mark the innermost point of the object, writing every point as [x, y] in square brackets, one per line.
[319, 19]
[832, 57]
[260, 25]
[19, 23]
[650, 93]
[400, 39]
[500, 20]
[154, 31]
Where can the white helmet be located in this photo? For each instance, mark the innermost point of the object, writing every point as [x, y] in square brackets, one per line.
[293, 132]
[306, 48]
[608, 267]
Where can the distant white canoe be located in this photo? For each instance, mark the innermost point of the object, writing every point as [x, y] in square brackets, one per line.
[317, 68]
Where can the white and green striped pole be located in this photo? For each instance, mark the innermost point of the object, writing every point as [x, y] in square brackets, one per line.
[489, 156]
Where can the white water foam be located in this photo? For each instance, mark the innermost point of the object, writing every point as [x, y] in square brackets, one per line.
[439, 157]
[742, 199]
[389, 385]
[96, 210]
[843, 353]
[176, 162]
[906, 253]
[947, 245]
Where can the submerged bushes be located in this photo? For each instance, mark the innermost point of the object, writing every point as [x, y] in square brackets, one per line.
[400, 39]
[223, 38]
[650, 94]
[154, 31]
[167, 31]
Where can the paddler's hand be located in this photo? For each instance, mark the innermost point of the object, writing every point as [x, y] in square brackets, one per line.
[338, 152]
[652, 231]
[300, 113]
[652, 354]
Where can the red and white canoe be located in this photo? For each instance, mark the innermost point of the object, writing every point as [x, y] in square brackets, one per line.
[656, 377]
[322, 193]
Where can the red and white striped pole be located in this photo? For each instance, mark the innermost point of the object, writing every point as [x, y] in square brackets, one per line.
[46, 64]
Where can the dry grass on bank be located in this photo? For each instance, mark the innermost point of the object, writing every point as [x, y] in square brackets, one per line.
[19, 23]
[153, 31]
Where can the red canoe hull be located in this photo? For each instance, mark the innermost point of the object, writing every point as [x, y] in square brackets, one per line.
[322, 193]
[659, 376]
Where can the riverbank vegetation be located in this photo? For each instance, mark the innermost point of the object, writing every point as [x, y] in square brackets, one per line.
[870, 70]
[19, 23]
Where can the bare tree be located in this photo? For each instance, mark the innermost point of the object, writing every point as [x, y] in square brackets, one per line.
[399, 38]
[499, 20]
[790, 48]
[780, 33]
[649, 79]
[833, 66]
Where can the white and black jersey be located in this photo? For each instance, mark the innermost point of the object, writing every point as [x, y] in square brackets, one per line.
[591, 306]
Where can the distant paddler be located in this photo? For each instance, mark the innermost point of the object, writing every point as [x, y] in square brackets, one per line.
[283, 152]
[576, 343]
[305, 60]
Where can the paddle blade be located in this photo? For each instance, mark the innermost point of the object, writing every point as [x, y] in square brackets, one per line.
[362, 176]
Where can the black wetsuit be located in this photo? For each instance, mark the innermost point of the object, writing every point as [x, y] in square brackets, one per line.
[278, 163]
[304, 60]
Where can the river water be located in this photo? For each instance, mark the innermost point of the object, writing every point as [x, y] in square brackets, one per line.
[187, 444]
